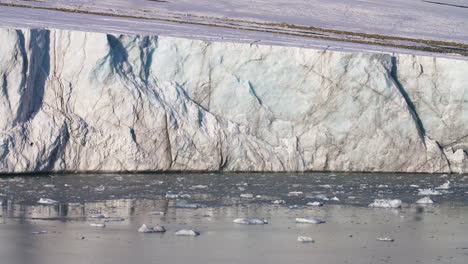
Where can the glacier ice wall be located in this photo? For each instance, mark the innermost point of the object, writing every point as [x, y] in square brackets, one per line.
[80, 101]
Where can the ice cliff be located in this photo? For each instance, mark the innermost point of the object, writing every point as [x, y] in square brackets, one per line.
[79, 101]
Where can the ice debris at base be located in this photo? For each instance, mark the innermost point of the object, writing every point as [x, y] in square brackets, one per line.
[429, 192]
[278, 202]
[186, 232]
[385, 239]
[425, 200]
[97, 225]
[39, 232]
[444, 186]
[171, 196]
[156, 213]
[335, 199]
[315, 204]
[386, 203]
[47, 201]
[310, 220]
[246, 195]
[151, 229]
[295, 193]
[305, 239]
[251, 221]
[199, 187]
[114, 219]
[414, 186]
[188, 206]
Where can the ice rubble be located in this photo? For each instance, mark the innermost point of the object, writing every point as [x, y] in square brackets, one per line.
[186, 232]
[305, 239]
[89, 101]
[251, 221]
[310, 220]
[386, 203]
[151, 229]
[425, 200]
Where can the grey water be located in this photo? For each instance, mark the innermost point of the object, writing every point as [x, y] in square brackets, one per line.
[31, 232]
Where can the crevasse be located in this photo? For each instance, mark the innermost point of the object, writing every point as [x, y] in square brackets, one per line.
[80, 101]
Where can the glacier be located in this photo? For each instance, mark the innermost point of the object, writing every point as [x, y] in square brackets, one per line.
[83, 101]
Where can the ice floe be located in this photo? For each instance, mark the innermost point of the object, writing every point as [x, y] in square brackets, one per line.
[425, 200]
[429, 192]
[385, 239]
[444, 186]
[305, 239]
[315, 204]
[246, 195]
[386, 203]
[97, 225]
[151, 229]
[295, 193]
[310, 220]
[187, 232]
[47, 201]
[251, 221]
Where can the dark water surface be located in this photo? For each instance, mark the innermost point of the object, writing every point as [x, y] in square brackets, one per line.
[422, 234]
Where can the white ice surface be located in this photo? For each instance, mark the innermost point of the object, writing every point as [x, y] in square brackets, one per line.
[386, 203]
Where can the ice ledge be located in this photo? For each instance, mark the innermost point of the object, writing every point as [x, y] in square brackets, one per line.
[78, 101]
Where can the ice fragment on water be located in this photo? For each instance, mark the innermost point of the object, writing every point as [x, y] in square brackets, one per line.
[97, 225]
[199, 187]
[114, 219]
[49, 186]
[386, 203]
[295, 193]
[444, 186]
[246, 195]
[278, 202]
[186, 232]
[305, 239]
[385, 239]
[250, 221]
[309, 221]
[335, 199]
[188, 206]
[151, 229]
[429, 192]
[425, 200]
[39, 232]
[315, 204]
[156, 213]
[414, 186]
[46, 201]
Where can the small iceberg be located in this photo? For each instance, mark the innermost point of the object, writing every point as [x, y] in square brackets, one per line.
[385, 239]
[246, 195]
[425, 200]
[186, 232]
[172, 196]
[305, 239]
[98, 225]
[295, 193]
[251, 221]
[335, 199]
[278, 202]
[47, 201]
[309, 221]
[386, 203]
[315, 204]
[429, 192]
[151, 229]
[444, 186]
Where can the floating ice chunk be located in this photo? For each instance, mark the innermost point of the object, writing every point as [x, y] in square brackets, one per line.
[322, 197]
[186, 232]
[425, 200]
[305, 239]
[39, 232]
[185, 196]
[156, 213]
[444, 186]
[47, 201]
[429, 192]
[294, 206]
[188, 206]
[386, 203]
[114, 219]
[246, 195]
[295, 193]
[335, 199]
[327, 186]
[385, 239]
[382, 186]
[309, 221]
[315, 204]
[241, 189]
[151, 229]
[49, 186]
[444, 176]
[97, 216]
[251, 221]
[97, 225]
[414, 186]
[199, 187]
[278, 202]
[172, 196]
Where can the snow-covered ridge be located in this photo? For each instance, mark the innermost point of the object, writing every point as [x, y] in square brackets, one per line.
[89, 101]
